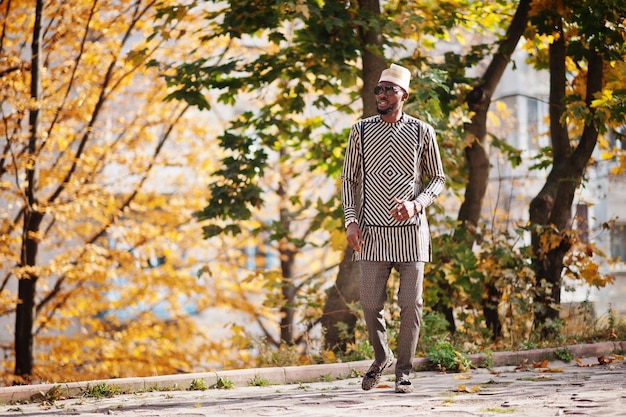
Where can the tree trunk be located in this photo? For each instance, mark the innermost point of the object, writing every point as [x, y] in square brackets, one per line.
[551, 210]
[337, 310]
[287, 311]
[479, 100]
[346, 288]
[477, 157]
[287, 253]
[25, 310]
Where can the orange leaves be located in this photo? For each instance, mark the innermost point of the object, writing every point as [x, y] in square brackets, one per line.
[551, 239]
[583, 265]
[601, 360]
[540, 6]
[464, 388]
[118, 245]
[581, 257]
[542, 367]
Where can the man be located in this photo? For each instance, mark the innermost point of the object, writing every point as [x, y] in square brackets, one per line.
[384, 196]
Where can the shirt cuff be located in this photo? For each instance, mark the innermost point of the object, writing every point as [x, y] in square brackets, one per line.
[417, 203]
[350, 221]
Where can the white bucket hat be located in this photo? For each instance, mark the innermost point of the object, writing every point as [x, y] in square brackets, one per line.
[398, 75]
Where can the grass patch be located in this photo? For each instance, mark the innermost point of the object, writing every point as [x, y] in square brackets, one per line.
[224, 383]
[102, 390]
[563, 354]
[53, 394]
[536, 378]
[326, 378]
[494, 382]
[498, 410]
[445, 357]
[164, 388]
[257, 381]
[198, 385]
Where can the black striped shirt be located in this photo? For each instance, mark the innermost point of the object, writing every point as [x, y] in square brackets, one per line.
[386, 160]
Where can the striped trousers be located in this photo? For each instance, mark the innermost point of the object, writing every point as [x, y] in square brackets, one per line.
[373, 289]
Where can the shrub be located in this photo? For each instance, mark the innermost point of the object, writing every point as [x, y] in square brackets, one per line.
[445, 357]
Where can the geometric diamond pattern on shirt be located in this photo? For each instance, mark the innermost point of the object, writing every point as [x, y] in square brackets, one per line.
[385, 160]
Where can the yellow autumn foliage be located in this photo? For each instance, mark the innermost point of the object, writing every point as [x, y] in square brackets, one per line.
[120, 264]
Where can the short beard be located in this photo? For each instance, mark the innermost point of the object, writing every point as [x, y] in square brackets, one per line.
[388, 110]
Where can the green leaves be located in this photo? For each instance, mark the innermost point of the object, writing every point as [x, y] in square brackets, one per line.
[235, 190]
[250, 17]
[543, 159]
[296, 72]
[513, 154]
[446, 357]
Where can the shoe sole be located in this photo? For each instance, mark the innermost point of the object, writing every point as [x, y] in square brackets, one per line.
[404, 389]
[369, 383]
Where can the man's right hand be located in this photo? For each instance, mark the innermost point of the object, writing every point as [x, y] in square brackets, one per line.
[354, 236]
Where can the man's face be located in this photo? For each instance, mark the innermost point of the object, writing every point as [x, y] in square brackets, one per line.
[388, 97]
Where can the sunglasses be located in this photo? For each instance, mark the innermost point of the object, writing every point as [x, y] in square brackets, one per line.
[388, 89]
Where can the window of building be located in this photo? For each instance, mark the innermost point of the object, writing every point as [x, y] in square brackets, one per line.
[618, 241]
[261, 255]
[536, 113]
[533, 118]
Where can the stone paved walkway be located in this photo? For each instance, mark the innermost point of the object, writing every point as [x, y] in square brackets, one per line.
[555, 389]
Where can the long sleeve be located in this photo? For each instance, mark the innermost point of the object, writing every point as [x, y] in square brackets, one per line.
[351, 176]
[432, 169]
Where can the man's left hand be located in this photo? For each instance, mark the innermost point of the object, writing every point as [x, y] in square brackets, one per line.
[403, 210]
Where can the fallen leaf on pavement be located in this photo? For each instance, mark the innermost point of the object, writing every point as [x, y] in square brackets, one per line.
[464, 388]
[584, 364]
[605, 360]
[556, 370]
[602, 360]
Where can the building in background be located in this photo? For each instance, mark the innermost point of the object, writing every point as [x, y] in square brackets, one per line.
[520, 116]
